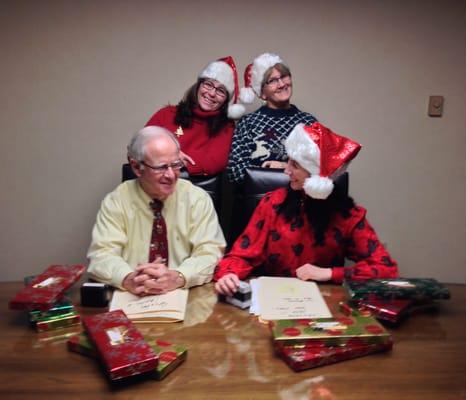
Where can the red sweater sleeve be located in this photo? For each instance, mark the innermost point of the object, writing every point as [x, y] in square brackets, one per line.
[248, 251]
[371, 258]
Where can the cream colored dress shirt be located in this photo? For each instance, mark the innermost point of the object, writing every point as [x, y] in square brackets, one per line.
[122, 233]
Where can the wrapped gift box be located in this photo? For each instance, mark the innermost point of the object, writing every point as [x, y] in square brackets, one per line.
[418, 289]
[59, 308]
[329, 331]
[387, 310]
[312, 356]
[120, 346]
[57, 321]
[47, 288]
[382, 309]
[170, 355]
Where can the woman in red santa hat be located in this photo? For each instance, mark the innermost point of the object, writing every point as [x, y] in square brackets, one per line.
[203, 119]
[308, 229]
[259, 136]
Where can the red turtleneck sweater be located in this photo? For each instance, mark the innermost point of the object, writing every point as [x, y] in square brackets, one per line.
[209, 153]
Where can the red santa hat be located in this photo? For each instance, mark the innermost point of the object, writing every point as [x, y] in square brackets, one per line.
[321, 152]
[224, 71]
[254, 75]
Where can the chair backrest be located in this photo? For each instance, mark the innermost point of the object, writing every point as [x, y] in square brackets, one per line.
[257, 182]
[127, 172]
[211, 184]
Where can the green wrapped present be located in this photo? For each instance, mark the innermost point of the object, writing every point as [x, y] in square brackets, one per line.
[49, 323]
[59, 308]
[419, 289]
[170, 355]
[329, 331]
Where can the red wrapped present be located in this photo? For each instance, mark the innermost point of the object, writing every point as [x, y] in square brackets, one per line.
[316, 355]
[120, 346]
[389, 310]
[47, 288]
[170, 355]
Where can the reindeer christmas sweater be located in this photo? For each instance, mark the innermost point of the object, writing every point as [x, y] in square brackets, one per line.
[260, 137]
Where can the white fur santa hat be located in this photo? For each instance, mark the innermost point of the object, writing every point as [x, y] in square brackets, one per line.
[224, 71]
[322, 153]
[254, 75]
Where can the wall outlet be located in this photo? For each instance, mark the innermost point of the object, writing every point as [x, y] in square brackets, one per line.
[435, 106]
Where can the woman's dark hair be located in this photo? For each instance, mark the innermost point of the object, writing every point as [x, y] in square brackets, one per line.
[184, 111]
[319, 212]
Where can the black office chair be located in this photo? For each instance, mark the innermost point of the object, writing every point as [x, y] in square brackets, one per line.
[258, 182]
[211, 184]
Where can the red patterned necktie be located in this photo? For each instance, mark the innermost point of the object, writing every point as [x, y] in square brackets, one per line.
[158, 243]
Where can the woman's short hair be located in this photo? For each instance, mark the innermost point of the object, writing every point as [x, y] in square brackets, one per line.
[282, 68]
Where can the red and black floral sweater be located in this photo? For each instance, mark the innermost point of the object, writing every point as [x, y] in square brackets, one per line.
[271, 246]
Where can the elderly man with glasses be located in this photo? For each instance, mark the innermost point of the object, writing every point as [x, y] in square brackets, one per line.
[155, 233]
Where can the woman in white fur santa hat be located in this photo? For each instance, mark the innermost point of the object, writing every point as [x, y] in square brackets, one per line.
[259, 136]
[308, 229]
[203, 120]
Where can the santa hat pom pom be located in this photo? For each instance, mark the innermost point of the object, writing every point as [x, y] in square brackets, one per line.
[246, 95]
[236, 111]
[318, 187]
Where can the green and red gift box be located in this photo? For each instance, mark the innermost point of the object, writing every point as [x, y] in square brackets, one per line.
[61, 315]
[310, 343]
[170, 355]
[57, 321]
[329, 331]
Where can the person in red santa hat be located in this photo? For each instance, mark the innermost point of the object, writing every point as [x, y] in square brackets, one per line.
[259, 136]
[308, 229]
[203, 120]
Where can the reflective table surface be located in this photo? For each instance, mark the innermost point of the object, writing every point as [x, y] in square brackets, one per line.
[230, 356]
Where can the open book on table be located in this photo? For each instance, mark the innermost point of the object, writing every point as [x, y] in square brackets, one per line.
[169, 307]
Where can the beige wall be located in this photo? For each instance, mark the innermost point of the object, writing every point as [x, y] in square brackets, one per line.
[79, 77]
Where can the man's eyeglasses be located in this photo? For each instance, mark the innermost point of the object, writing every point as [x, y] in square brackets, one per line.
[220, 91]
[163, 168]
[274, 81]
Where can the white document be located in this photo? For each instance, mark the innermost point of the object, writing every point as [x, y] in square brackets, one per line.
[290, 298]
[254, 308]
[169, 307]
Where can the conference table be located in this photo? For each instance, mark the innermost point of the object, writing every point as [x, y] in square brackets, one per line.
[230, 356]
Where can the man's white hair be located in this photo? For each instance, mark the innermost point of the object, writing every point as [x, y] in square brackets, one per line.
[138, 143]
